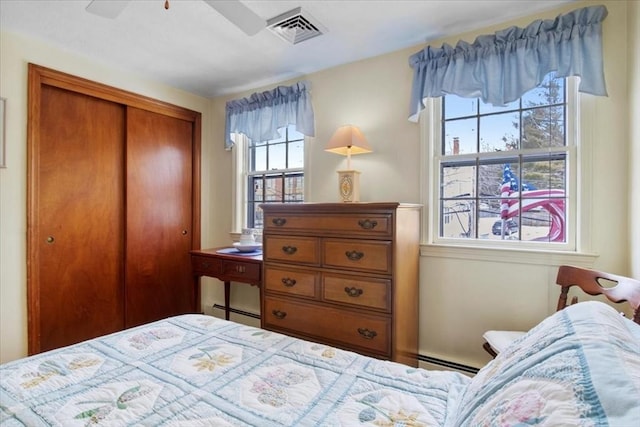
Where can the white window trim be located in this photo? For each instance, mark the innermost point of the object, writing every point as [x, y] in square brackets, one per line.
[580, 249]
[238, 189]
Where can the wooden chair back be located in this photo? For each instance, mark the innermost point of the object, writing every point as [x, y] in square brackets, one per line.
[592, 282]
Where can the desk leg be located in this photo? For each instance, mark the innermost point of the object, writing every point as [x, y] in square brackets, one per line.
[227, 291]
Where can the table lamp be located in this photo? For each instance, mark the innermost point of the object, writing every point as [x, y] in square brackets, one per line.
[348, 140]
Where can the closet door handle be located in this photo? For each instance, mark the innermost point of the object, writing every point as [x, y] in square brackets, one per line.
[367, 333]
[354, 255]
[289, 250]
[367, 224]
[353, 292]
[289, 283]
[50, 240]
[279, 314]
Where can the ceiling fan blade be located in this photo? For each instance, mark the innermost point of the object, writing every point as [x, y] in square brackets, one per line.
[107, 8]
[239, 14]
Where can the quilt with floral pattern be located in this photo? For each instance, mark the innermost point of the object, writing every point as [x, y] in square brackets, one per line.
[197, 370]
[578, 367]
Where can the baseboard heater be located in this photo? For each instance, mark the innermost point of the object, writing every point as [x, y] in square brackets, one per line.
[236, 311]
[448, 364]
[423, 358]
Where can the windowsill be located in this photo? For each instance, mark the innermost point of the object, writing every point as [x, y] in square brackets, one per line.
[514, 255]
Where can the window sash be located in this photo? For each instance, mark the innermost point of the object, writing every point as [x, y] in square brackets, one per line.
[432, 131]
[244, 199]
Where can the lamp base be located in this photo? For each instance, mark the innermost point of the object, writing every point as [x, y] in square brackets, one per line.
[349, 185]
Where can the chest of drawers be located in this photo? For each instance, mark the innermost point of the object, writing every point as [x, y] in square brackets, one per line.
[344, 274]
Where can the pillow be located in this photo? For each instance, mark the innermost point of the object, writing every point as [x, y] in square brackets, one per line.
[578, 367]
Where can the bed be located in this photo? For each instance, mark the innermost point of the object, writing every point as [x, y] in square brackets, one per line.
[579, 367]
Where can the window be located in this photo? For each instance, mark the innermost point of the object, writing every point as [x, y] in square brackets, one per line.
[274, 173]
[504, 173]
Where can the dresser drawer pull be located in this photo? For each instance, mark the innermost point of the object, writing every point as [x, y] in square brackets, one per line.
[367, 224]
[353, 292]
[289, 250]
[279, 222]
[280, 314]
[354, 255]
[241, 269]
[367, 334]
[289, 283]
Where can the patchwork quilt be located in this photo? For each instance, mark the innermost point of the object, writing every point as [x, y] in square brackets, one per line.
[196, 370]
[578, 367]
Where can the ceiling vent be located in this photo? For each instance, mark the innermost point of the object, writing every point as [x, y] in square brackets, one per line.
[295, 26]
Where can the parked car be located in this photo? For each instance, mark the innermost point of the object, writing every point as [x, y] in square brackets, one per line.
[510, 227]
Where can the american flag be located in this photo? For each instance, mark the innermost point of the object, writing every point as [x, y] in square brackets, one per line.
[517, 199]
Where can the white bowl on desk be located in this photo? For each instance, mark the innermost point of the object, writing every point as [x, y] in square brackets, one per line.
[247, 247]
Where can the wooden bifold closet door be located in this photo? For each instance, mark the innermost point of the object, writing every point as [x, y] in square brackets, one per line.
[113, 209]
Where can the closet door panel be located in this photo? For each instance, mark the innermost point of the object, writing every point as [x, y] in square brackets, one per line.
[80, 220]
[158, 279]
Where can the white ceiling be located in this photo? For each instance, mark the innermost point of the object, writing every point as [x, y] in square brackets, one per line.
[192, 47]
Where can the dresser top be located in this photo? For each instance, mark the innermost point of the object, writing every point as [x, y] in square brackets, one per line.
[337, 207]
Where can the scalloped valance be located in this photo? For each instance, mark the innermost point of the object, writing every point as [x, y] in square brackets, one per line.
[501, 67]
[261, 115]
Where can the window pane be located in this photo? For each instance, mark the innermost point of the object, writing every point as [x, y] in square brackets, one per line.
[255, 192]
[277, 156]
[549, 173]
[501, 229]
[489, 188]
[499, 132]
[258, 158]
[543, 128]
[458, 219]
[296, 154]
[458, 182]
[294, 189]
[254, 219]
[540, 225]
[464, 132]
[456, 106]
[273, 188]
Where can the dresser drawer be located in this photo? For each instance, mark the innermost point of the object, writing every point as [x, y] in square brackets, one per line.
[300, 250]
[205, 266]
[327, 324]
[369, 293]
[291, 281]
[357, 255]
[361, 225]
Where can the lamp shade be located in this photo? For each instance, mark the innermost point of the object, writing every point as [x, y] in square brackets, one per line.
[348, 140]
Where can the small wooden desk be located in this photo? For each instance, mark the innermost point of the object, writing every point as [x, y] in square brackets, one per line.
[227, 267]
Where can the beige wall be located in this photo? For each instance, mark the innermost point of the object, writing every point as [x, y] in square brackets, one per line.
[633, 53]
[463, 292]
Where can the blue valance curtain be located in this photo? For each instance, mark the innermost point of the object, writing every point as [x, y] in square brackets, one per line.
[501, 67]
[261, 115]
